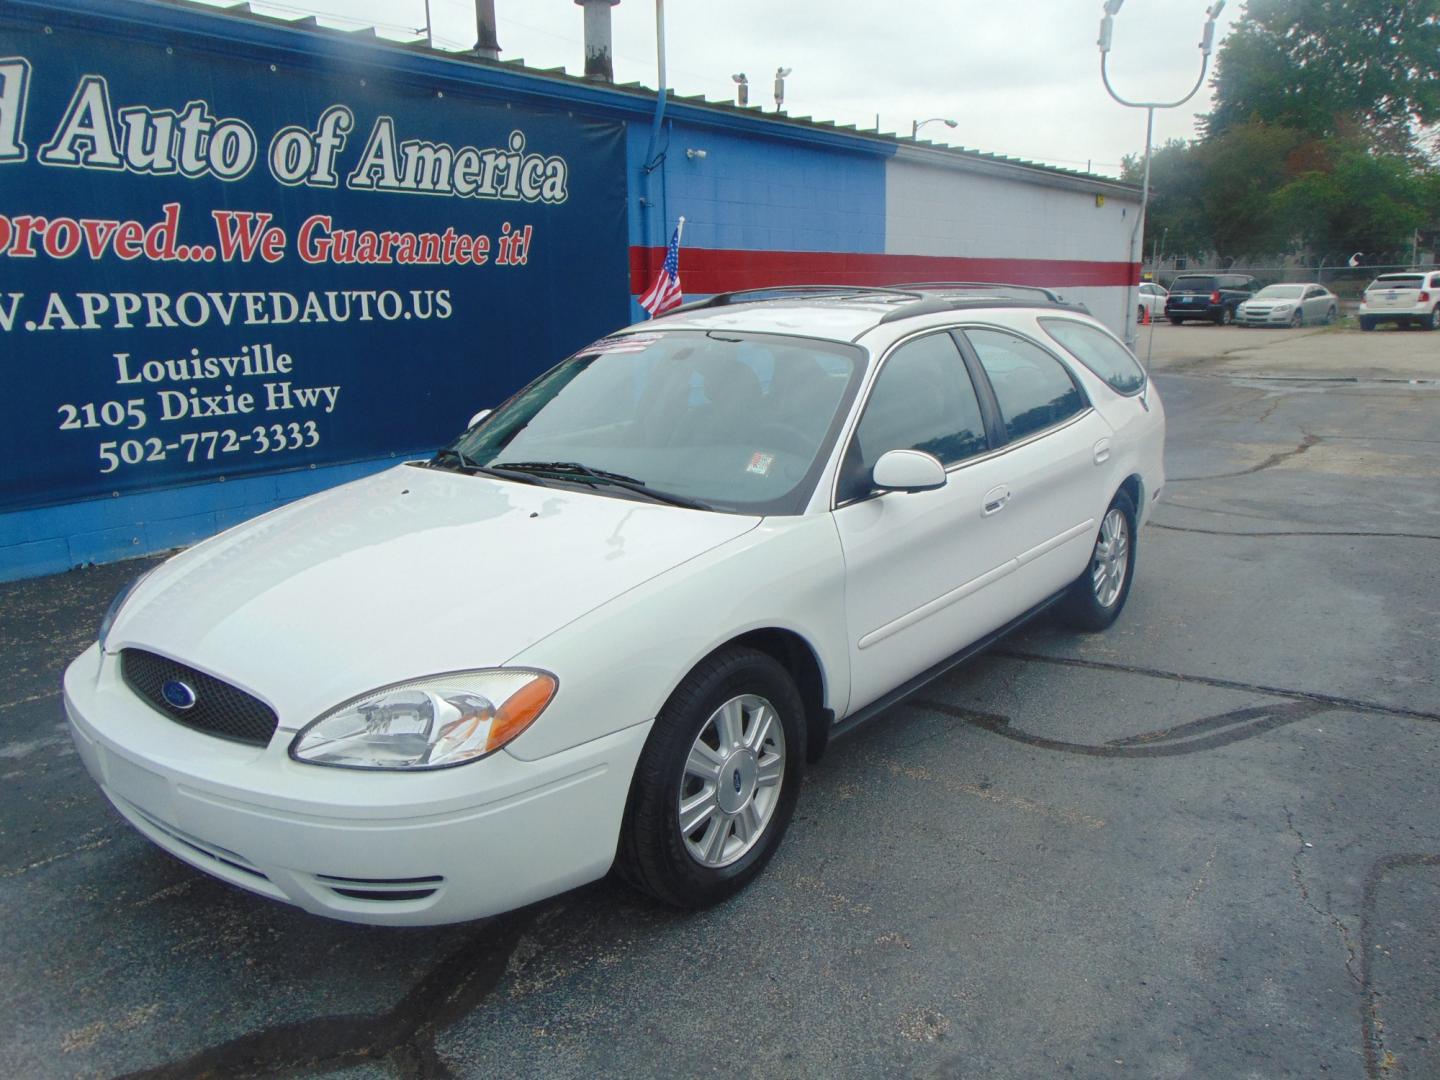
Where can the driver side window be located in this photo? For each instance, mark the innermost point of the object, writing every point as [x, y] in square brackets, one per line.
[923, 399]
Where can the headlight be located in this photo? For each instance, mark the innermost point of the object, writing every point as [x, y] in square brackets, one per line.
[428, 723]
[1280, 309]
[115, 605]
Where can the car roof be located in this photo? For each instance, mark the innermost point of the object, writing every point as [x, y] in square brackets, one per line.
[846, 312]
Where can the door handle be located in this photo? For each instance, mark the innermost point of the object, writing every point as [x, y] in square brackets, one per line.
[1102, 451]
[995, 500]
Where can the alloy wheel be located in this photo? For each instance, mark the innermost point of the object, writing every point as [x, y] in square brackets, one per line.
[1111, 561]
[731, 784]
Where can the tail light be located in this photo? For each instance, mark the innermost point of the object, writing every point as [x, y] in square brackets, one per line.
[1215, 297]
[1424, 297]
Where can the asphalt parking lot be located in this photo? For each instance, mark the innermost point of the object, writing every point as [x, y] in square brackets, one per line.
[1203, 844]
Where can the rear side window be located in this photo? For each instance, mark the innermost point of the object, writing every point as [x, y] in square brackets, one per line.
[1033, 388]
[1100, 352]
[1396, 281]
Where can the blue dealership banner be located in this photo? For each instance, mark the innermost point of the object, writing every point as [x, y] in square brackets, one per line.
[214, 263]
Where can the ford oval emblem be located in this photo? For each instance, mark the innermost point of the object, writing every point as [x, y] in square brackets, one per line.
[177, 694]
[738, 782]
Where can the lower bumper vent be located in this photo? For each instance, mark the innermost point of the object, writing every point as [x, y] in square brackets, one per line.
[383, 890]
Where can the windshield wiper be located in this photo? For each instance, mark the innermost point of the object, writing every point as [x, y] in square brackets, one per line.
[585, 474]
[469, 465]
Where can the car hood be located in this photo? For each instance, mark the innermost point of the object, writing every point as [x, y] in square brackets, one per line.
[408, 573]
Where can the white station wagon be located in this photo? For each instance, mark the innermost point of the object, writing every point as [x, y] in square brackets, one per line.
[610, 623]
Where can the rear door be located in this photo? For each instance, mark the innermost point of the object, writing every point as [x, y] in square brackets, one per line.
[1056, 448]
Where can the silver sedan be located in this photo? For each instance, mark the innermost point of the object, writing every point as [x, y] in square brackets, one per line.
[1300, 304]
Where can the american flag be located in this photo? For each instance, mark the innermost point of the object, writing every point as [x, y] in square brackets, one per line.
[665, 293]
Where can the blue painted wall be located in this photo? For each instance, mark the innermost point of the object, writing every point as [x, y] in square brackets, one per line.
[761, 186]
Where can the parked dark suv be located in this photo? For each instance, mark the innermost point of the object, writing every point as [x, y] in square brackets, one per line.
[1213, 297]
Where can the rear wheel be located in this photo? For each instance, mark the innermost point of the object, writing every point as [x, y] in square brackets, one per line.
[1433, 322]
[1330, 315]
[1174, 321]
[1226, 317]
[1097, 596]
[716, 783]
[1366, 324]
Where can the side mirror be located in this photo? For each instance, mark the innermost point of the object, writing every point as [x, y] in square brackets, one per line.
[908, 470]
[481, 415]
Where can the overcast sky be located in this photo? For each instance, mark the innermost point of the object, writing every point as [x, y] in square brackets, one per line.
[1021, 79]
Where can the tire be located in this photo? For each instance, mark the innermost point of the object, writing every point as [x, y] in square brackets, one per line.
[1433, 322]
[1297, 320]
[1330, 315]
[1174, 321]
[1140, 314]
[1225, 318]
[1366, 324]
[732, 698]
[1095, 599]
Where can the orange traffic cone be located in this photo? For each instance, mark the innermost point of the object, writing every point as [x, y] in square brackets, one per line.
[1145, 315]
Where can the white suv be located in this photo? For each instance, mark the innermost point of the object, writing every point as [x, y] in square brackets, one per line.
[612, 621]
[1407, 299]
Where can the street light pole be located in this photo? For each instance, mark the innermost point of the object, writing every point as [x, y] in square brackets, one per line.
[1207, 45]
[916, 125]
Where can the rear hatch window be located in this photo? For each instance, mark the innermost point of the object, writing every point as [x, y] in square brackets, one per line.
[1396, 281]
[1193, 285]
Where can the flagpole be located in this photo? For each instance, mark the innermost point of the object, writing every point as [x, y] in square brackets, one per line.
[680, 229]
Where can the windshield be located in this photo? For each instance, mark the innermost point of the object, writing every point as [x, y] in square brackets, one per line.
[1396, 281]
[735, 421]
[1280, 292]
[1193, 284]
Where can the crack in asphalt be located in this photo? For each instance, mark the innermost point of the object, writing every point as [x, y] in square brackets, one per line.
[405, 1034]
[1325, 913]
[1269, 463]
[1214, 731]
[1332, 700]
[1372, 1027]
[1296, 532]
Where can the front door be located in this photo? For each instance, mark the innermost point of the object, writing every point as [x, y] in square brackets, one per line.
[924, 570]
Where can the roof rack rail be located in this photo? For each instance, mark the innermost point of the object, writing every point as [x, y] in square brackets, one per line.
[910, 286]
[931, 305]
[788, 291]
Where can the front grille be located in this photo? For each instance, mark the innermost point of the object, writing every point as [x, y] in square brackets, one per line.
[219, 708]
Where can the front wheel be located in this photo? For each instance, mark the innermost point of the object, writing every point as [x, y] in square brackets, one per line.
[1096, 597]
[1297, 320]
[716, 783]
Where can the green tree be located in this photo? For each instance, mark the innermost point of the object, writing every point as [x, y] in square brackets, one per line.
[1176, 209]
[1356, 200]
[1332, 68]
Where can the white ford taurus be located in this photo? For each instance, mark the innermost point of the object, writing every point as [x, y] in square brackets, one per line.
[610, 624]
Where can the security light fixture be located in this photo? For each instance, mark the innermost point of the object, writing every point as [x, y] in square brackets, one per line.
[1207, 45]
[780, 74]
[742, 89]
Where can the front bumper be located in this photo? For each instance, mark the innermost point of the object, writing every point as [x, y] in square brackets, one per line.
[1266, 318]
[369, 847]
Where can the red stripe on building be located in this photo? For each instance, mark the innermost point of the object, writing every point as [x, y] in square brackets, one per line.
[713, 270]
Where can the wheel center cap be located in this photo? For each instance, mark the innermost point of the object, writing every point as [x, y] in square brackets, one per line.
[736, 784]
